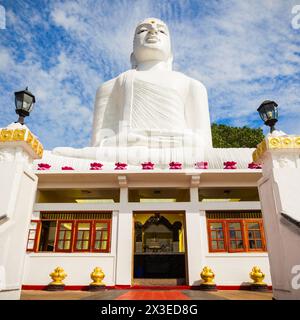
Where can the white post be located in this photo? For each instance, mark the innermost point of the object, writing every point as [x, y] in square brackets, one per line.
[124, 241]
[279, 191]
[195, 228]
[18, 184]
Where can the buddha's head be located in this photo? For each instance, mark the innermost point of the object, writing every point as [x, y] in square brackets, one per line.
[151, 42]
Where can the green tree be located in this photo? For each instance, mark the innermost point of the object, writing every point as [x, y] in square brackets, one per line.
[224, 136]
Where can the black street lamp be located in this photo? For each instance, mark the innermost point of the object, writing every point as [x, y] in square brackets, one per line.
[268, 112]
[24, 101]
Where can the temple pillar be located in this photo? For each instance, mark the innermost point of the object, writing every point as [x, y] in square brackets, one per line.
[18, 184]
[279, 191]
[124, 239]
[195, 227]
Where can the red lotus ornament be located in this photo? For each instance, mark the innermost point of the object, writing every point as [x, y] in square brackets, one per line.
[44, 166]
[175, 165]
[67, 168]
[120, 166]
[230, 165]
[201, 165]
[254, 165]
[96, 166]
[148, 166]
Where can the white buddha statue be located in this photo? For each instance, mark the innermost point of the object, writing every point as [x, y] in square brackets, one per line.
[149, 113]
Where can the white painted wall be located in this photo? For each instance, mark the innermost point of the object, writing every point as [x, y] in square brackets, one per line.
[78, 267]
[17, 199]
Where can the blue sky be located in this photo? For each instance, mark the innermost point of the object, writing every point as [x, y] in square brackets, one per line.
[243, 51]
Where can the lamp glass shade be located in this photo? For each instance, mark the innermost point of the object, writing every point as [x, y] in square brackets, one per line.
[24, 101]
[268, 112]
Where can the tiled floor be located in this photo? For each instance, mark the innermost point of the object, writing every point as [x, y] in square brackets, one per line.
[146, 295]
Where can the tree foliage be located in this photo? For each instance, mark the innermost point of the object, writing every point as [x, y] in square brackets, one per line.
[224, 136]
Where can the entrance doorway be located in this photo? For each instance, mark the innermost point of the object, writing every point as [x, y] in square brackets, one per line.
[159, 248]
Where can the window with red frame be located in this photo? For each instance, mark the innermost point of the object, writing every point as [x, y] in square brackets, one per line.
[64, 236]
[235, 235]
[70, 236]
[33, 234]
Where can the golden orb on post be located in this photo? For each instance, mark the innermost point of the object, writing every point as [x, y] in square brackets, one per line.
[97, 276]
[257, 276]
[58, 275]
[207, 277]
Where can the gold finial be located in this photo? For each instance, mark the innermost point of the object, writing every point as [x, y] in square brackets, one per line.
[207, 276]
[97, 276]
[58, 275]
[257, 276]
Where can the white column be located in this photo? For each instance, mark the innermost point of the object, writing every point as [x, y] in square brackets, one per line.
[195, 229]
[124, 241]
[279, 191]
[18, 184]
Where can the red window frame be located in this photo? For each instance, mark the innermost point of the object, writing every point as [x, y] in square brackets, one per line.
[230, 249]
[77, 222]
[108, 236]
[210, 239]
[57, 239]
[227, 248]
[36, 236]
[262, 233]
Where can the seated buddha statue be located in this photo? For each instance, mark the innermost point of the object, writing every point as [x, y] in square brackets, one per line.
[150, 112]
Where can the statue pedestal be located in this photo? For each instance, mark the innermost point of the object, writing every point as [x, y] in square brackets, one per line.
[18, 183]
[279, 191]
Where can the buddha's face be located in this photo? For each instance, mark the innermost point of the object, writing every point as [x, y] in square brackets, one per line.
[152, 41]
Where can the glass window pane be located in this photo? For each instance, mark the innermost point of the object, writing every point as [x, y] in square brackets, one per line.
[232, 234]
[250, 235]
[232, 244]
[257, 234]
[79, 234]
[66, 226]
[216, 226]
[258, 244]
[252, 244]
[85, 245]
[30, 244]
[98, 235]
[238, 235]
[221, 244]
[104, 235]
[60, 244]
[101, 225]
[220, 235]
[61, 234]
[67, 245]
[68, 235]
[213, 235]
[253, 225]
[78, 245]
[97, 245]
[234, 226]
[104, 245]
[31, 234]
[214, 245]
[240, 244]
[33, 225]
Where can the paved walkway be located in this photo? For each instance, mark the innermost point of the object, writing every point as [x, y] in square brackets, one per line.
[146, 295]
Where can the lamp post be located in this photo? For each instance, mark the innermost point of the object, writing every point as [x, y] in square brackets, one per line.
[268, 112]
[24, 101]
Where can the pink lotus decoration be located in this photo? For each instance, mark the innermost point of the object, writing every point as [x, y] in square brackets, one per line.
[120, 166]
[201, 165]
[44, 166]
[96, 166]
[148, 165]
[66, 168]
[175, 165]
[230, 165]
[254, 165]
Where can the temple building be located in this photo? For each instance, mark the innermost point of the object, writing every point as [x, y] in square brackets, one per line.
[150, 202]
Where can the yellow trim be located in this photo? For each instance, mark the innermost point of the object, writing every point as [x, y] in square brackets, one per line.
[275, 143]
[14, 135]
